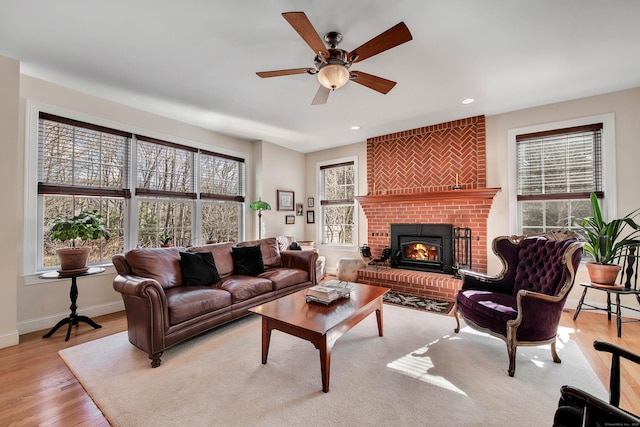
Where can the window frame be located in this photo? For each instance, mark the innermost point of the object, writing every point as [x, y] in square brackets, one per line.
[608, 162]
[319, 218]
[33, 221]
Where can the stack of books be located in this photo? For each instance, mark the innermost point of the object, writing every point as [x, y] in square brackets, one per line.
[329, 291]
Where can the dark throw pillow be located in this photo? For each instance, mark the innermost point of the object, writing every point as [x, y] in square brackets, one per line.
[247, 260]
[198, 269]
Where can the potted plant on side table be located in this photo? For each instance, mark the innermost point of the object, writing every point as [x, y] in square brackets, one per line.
[87, 225]
[604, 241]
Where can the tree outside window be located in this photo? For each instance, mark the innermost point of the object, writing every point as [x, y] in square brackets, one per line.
[338, 186]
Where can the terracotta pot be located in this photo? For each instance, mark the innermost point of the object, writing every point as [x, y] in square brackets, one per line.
[604, 274]
[73, 259]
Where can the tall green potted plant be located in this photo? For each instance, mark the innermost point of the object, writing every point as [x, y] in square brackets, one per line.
[87, 225]
[605, 241]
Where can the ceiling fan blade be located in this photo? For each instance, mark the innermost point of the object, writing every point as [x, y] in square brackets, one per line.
[372, 82]
[393, 37]
[289, 72]
[300, 23]
[322, 95]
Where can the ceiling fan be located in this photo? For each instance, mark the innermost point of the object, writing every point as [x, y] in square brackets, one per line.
[332, 64]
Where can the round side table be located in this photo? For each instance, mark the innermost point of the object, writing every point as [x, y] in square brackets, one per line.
[73, 318]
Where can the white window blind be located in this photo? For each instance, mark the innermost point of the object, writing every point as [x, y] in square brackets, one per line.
[77, 158]
[221, 177]
[563, 163]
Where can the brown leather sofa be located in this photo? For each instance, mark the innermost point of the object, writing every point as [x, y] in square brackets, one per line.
[163, 311]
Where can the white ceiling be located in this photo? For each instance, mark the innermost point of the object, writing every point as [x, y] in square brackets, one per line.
[195, 60]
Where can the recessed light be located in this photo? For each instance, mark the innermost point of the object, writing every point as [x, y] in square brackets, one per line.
[356, 127]
[468, 101]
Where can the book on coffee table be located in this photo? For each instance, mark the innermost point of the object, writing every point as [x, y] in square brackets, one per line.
[329, 291]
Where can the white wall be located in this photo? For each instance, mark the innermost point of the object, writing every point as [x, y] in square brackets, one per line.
[10, 162]
[283, 170]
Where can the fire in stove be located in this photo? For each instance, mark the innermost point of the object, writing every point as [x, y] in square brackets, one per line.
[422, 252]
[422, 247]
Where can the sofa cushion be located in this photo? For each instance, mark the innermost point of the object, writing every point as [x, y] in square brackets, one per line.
[160, 264]
[198, 269]
[247, 260]
[270, 251]
[243, 288]
[489, 310]
[221, 255]
[188, 302]
[285, 277]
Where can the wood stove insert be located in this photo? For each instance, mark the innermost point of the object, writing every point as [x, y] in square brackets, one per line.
[422, 247]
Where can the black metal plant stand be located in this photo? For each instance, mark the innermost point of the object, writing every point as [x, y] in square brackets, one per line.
[73, 319]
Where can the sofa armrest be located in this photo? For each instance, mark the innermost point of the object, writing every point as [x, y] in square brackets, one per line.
[129, 284]
[146, 309]
[304, 260]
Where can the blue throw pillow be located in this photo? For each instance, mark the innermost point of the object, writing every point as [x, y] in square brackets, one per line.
[198, 269]
[247, 260]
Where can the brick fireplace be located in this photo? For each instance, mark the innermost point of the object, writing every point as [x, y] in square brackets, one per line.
[410, 178]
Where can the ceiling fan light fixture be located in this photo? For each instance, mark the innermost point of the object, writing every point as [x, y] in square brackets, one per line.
[333, 76]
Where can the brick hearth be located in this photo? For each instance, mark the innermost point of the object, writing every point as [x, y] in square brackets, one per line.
[441, 287]
[410, 179]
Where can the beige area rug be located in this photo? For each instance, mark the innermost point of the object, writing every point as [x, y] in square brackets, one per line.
[419, 374]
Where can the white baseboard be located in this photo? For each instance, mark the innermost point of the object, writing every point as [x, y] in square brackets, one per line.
[49, 321]
[9, 340]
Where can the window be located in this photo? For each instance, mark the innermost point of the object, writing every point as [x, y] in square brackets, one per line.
[82, 167]
[337, 206]
[556, 172]
[166, 192]
[221, 194]
[179, 191]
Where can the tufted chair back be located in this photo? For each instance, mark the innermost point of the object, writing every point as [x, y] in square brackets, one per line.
[539, 266]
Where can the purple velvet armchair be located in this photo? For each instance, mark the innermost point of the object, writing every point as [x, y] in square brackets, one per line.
[523, 304]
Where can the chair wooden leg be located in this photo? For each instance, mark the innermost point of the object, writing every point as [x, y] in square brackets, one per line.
[618, 315]
[455, 313]
[554, 353]
[584, 294]
[609, 306]
[511, 349]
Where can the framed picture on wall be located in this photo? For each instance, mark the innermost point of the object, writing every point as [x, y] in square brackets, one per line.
[286, 200]
[309, 202]
[299, 209]
[290, 219]
[311, 217]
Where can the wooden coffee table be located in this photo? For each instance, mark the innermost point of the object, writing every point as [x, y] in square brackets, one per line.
[320, 324]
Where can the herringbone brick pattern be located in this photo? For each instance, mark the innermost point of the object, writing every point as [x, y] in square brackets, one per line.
[428, 159]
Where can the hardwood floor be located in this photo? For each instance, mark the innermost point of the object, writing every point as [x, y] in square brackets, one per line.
[38, 388]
